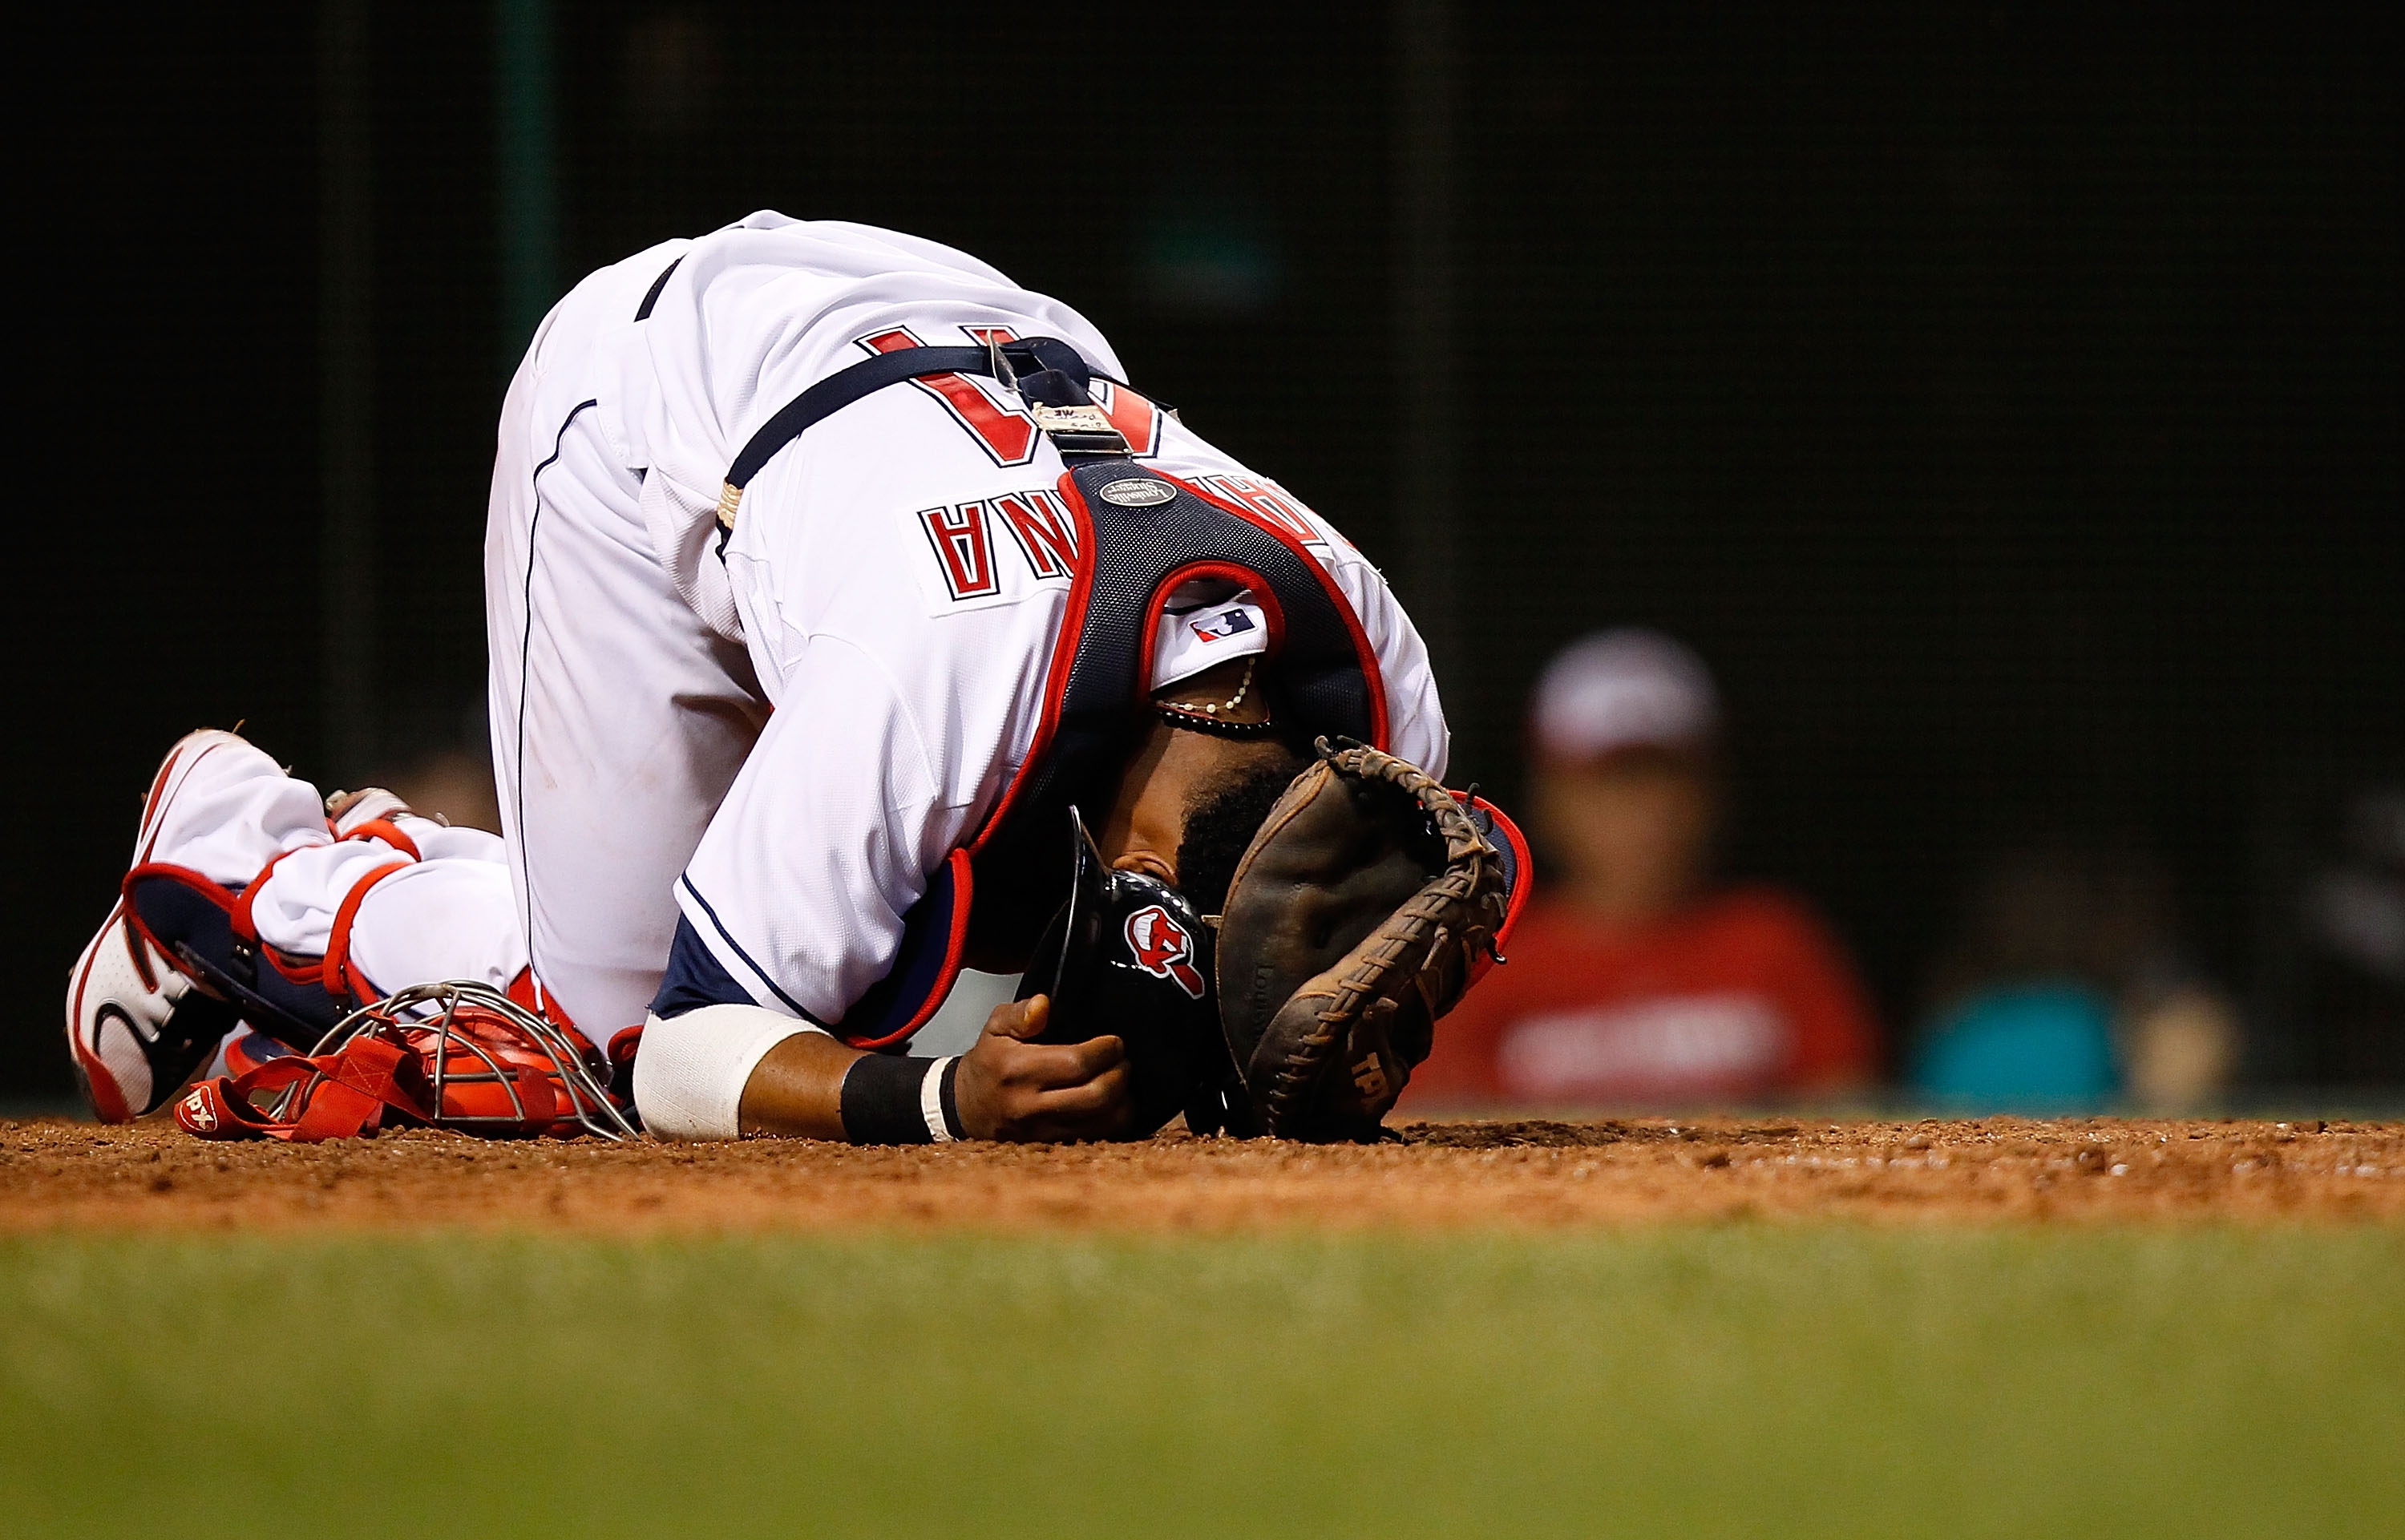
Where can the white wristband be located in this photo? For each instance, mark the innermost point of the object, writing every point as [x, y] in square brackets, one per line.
[690, 1070]
[930, 1100]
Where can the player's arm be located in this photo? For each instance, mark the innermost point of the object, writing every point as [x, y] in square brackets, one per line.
[1006, 1086]
[734, 1070]
[794, 905]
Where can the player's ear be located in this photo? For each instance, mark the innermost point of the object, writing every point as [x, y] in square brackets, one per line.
[1150, 863]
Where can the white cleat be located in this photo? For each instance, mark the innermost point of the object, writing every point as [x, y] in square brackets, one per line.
[345, 810]
[137, 1029]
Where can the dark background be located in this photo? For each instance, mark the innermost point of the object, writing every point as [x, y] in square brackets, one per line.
[2004, 400]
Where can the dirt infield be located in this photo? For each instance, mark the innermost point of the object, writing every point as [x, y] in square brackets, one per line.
[55, 1173]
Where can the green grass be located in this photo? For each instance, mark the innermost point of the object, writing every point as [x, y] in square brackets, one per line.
[1747, 1379]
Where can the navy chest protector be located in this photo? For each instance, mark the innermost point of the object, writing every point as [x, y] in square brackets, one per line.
[1140, 534]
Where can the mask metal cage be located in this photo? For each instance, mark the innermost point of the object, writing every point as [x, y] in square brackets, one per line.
[457, 1058]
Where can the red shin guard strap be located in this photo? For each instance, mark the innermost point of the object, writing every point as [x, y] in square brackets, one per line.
[359, 1085]
[246, 929]
[340, 979]
[387, 831]
[340, 1096]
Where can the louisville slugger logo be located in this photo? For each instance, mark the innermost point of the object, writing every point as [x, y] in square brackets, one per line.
[1162, 948]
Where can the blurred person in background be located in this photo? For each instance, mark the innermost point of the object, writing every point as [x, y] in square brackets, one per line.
[2067, 991]
[1634, 979]
[2350, 917]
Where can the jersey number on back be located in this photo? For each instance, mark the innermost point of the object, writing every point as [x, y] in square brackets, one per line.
[1002, 428]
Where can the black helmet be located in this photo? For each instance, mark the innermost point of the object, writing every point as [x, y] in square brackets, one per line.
[1128, 956]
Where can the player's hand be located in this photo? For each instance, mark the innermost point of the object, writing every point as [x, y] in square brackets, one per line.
[1011, 1087]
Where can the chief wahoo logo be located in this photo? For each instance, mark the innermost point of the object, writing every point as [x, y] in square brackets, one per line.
[1163, 949]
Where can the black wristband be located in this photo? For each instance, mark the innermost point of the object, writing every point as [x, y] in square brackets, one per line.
[881, 1100]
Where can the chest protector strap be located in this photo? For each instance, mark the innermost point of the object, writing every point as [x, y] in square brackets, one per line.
[1141, 533]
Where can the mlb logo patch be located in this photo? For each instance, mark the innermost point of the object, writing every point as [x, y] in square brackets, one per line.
[1220, 626]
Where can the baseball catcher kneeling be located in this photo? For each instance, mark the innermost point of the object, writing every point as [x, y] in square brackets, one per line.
[852, 622]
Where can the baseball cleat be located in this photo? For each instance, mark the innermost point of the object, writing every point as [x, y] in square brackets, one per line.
[346, 811]
[137, 1029]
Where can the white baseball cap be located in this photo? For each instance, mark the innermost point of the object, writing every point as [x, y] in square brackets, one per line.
[1205, 622]
[1622, 689]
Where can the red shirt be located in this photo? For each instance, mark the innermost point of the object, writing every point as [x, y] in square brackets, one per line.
[1744, 996]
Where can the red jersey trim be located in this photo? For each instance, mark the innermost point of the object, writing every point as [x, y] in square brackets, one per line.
[948, 972]
[1056, 672]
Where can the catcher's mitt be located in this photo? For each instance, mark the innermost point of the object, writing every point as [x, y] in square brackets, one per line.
[1357, 917]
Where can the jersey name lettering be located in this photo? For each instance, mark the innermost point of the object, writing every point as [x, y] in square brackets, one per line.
[1267, 500]
[1044, 532]
[961, 535]
[963, 550]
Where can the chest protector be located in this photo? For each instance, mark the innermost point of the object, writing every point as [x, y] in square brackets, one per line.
[1141, 533]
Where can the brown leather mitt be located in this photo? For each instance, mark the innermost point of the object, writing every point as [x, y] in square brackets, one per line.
[1355, 920]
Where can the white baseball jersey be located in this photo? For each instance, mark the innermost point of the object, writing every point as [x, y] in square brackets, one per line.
[782, 733]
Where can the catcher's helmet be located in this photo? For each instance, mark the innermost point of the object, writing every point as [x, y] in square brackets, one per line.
[455, 1054]
[480, 1062]
[1128, 956]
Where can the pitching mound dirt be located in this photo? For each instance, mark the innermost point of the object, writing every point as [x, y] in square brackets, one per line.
[55, 1173]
